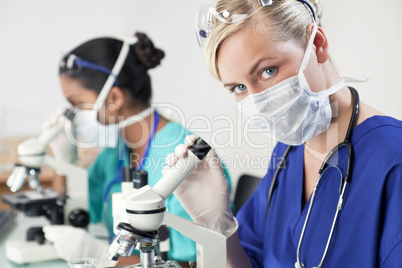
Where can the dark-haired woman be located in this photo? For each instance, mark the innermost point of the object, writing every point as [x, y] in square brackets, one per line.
[90, 75]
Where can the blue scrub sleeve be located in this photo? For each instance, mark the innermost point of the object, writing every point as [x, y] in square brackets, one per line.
[391, 250]
[251, 218]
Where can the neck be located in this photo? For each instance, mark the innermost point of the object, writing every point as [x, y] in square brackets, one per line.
[137, 134]
[342, 108]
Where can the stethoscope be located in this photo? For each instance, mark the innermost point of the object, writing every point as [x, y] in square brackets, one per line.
[346, 143]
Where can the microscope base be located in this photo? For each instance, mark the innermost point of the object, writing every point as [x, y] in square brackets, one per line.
[162, 264]
[21, 251]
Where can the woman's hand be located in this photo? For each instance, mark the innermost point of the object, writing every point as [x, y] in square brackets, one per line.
[62, 148]
[204, 194]
[73, 243]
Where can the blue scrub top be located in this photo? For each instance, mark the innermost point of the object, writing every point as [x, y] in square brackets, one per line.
[369, 228]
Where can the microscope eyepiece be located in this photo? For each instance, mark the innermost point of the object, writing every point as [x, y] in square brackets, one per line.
[200, 148]
[140, 178]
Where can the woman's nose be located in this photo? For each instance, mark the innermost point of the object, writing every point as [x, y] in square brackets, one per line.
[255, 89]
[250, 90]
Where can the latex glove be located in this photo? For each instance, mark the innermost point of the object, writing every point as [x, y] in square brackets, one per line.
[62, 148]
[204, 194]
[73, 243]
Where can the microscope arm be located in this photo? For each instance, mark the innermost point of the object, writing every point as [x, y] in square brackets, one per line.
[32, 154]
[76, 182]
[211, 245]
[49, 134]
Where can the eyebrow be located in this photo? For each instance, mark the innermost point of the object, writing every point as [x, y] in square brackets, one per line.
[230, 84]
[255, 66]
[252, 70]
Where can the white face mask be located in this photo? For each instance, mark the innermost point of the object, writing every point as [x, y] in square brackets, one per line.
[91, 133]
[289, 111]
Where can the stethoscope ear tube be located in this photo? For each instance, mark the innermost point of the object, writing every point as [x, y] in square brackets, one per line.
[280, 165]
[355, 112]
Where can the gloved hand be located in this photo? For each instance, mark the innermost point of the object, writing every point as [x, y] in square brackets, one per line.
[204, 194]
[62, 148]
[73, 243]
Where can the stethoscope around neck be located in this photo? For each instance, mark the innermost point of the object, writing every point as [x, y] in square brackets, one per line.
[346, 143]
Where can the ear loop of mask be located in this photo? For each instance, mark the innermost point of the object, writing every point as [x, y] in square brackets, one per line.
[135, 118]
[307, 54]
[306, 59]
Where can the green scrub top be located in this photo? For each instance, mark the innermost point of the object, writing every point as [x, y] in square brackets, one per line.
[104, 170]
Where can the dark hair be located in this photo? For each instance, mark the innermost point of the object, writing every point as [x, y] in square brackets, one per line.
[104, 52]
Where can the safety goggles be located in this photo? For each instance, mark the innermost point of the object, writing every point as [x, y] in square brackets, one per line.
[207, 16]
[74, 65]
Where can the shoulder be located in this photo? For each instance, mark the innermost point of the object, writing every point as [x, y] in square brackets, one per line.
[107, 154]
[391, 233]
[379, 126]
[174, 127]
[171, 134]
[104, 158]
[379, 136]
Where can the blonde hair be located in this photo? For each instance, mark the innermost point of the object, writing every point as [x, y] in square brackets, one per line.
[285, 19]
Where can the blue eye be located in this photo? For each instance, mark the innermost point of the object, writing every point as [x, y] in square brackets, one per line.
[239, 88]
[267, 73]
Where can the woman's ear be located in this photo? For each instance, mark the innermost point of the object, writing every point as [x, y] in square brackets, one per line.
[115, 98]
[320, 43]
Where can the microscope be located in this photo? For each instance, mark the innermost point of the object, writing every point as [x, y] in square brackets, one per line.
[146, 212]
[58, 209]
[132, 180]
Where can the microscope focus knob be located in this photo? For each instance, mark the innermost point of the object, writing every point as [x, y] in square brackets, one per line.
[79, 218]
[36, 234]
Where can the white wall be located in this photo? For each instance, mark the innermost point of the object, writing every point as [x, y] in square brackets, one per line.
[364, 35]
[366, 39]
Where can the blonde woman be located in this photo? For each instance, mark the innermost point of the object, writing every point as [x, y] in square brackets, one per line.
[332, 196]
